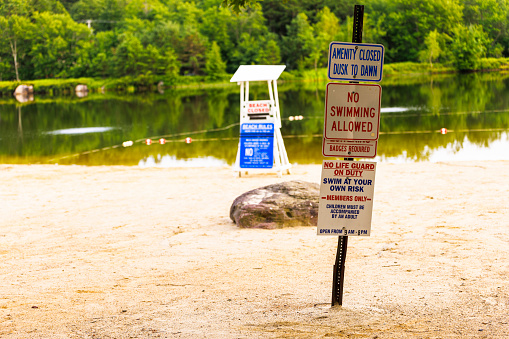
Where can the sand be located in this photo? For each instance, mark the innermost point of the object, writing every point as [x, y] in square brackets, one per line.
[126, 252]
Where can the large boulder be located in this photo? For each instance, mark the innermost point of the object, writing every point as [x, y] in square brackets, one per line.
[24, 93]
[24, 90]
[81, 91]
[286, 204]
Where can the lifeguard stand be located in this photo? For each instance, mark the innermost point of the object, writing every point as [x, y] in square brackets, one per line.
[261, 144]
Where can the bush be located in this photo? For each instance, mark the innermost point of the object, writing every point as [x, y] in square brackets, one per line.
[489, 64]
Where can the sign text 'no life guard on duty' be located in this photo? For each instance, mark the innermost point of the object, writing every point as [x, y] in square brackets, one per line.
[355, 61]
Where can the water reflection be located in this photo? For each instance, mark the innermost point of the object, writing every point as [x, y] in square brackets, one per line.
[394, 109]
[464, 150]
[83, 130]
[91, 130]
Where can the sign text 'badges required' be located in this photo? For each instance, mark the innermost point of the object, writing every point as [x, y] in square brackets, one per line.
[352, 111]
[349, 148]
[355, 62]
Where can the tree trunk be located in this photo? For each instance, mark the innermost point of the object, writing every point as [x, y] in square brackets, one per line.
[14, 50]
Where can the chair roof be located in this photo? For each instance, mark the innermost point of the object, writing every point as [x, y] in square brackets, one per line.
[257, 73]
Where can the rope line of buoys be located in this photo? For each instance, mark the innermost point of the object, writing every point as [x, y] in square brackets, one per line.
[162, 139]
[406, 115]
[167, 138]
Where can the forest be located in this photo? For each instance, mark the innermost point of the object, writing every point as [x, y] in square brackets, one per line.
[50, 39]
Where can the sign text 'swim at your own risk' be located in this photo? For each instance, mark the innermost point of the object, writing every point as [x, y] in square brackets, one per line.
[355, 62]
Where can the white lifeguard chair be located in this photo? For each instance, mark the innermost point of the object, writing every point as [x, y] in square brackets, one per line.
[261, 144]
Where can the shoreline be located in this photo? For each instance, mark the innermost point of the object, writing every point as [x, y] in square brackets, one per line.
[119, 251]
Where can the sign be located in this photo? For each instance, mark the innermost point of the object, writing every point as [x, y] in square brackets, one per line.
[256, 145]
[352, 111]
[355, 62]
[346, 198]
[349, 148]
[260, 106]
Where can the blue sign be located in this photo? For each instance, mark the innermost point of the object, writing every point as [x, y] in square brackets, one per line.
[256, 145]
[355, 61]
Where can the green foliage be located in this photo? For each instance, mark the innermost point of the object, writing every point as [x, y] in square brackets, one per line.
[214, 66]
[168, 38]
[56, 47]
[494, 64]
[408, 22]
[299, 44]
[433, 49]
[492, 16]
[237, 5]
[468, 46]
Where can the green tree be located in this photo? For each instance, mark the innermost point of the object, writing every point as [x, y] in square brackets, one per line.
[4, 68]
[106, 15]
[408, 22]
[191, 51]
[468, 46]
[246, 51]
[101, 52]
[493, 16]
[299, 44]
[215, 67]
[56, 44]
[215, 25]
[374, 30]
[326, 30]
[238, 5]
[15, 7]
[433, 50]
[129, 56]
[16, 31]
[270, 54]
[172, 64]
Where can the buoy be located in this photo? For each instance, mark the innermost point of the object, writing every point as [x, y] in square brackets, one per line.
[127, 143]
[148, 142]
[443, 131]
[162, 141]
[189, 140]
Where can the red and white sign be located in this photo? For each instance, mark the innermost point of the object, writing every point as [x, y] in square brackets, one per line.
[352, 111]
[346, 198]
[349, 148]
[260, 106]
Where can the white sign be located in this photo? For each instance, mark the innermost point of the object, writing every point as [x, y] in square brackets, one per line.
[260, 106]
[352, 111]
[355, 62]
[346, 198]
[349, 148]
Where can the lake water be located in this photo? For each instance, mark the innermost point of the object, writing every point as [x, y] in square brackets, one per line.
[474, 108]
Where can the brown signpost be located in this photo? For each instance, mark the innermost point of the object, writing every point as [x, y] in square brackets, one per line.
[351, 129]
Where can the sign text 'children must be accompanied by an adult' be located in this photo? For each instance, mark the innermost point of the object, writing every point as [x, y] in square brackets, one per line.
[346, 198]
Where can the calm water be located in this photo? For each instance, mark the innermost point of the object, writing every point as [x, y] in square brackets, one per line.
[91, 131]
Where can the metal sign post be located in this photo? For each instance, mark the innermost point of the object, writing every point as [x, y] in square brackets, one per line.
[351, 62]
[338, 279]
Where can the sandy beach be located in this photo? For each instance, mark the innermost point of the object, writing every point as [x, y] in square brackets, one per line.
[128, 252]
